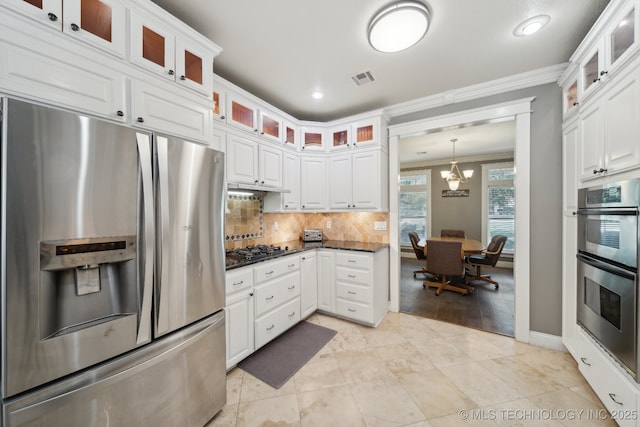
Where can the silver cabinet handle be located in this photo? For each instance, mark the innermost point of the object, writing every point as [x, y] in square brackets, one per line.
[292, 314]
[352, 310]
[269, 298]
[291, 287]
[269, 272]
[238, 283]
[584, 360]
[351, 260]
[271, 327]
[351, 292]
[613, 397]
[351, 276]
[291, 265]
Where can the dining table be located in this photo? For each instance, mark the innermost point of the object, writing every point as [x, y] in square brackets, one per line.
[469, 246]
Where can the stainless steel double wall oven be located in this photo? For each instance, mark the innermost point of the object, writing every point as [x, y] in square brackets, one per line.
[608, 240]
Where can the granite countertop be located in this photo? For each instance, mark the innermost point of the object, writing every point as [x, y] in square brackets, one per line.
[295, 246]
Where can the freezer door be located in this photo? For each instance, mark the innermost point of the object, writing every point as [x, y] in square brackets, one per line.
[72, 247]
[190, 243]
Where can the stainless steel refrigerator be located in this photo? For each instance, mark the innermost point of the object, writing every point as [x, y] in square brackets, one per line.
[112, 262]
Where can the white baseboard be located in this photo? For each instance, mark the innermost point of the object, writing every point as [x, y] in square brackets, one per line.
[540, 339]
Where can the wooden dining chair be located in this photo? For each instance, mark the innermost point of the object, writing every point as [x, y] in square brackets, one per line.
[446, 260]
[452, 233]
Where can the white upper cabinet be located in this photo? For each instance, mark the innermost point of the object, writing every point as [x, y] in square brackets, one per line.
[609, 129]
[608, 51]
[48, 12]
[242, 113]
[101, 23]
[340, 137]
[312, 138]
[219, 96]
[249, 162]
[158, 47]
[291, 136]
[358, 181]
[313, 188]
[367, 132]
[270, 126]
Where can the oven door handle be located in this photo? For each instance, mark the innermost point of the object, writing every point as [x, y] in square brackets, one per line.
[606, 267]
[609, 212]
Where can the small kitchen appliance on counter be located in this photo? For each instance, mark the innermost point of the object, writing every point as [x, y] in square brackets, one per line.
[312, 235]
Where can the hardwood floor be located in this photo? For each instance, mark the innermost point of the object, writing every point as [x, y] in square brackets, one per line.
[486, 308]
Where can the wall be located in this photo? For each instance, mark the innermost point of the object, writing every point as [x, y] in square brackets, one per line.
[545, 193]
[357, 226]
[460, 213]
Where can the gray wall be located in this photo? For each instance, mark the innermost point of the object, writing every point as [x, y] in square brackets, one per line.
[546, 197]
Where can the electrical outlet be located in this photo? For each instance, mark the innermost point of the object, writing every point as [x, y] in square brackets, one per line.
[275, 225]
[380, 225]
[328, 225]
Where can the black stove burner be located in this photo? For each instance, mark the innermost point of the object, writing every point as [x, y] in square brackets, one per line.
[252, 253]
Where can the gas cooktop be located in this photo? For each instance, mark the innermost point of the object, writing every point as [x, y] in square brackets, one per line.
[249, 254]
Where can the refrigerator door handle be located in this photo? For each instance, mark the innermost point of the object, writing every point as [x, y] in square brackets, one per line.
[162, 301]
[144, 157]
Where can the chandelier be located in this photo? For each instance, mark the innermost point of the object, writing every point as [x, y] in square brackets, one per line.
[453, 176]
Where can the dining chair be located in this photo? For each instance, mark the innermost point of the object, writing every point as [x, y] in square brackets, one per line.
[419, 250]
[488, 258]
[446, 260]
[452, 233]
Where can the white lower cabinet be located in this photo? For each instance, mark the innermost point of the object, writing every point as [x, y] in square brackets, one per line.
[617, 392]
[267, 298]
[239, 315]
[277, 296]
[326, 280]
[308, 283]
[277, 321]
[354, 284]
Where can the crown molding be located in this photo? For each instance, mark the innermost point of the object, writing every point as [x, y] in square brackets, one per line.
[525, 80]
[481, 158]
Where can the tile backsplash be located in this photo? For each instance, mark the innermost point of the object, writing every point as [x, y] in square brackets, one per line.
[358, 226]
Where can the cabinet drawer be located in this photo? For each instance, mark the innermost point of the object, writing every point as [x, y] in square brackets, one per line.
[618, 394]
[353, 292]
[238, 280]
[354, 259]
[353, 310]
[364, 277]
[273, 324]
[270, 295]
[273, 269]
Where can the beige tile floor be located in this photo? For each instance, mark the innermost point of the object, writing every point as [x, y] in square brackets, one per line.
[413, 371]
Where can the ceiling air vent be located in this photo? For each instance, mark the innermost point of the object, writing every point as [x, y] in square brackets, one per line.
[362, 78]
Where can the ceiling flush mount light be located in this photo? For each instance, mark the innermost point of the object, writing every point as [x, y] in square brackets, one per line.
[531, 25]
[398, 26]
[317, 95]
[453, 176]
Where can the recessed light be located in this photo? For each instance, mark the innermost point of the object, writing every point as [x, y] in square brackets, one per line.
[531, 25]
[398, 26]
[317, 95]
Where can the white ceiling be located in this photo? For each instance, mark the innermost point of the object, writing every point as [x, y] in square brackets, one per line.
[473, 140]
[283, 50]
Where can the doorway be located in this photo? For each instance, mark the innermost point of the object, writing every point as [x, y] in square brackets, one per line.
[519, 111]
[481, 207]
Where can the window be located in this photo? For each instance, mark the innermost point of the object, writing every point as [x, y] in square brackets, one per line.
[499, 203]
[414, 204]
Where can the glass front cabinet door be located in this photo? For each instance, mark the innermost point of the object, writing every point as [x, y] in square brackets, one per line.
[365, 132]
[270, 126]
[101, 23]
[156, 47]
[48, 12]
[242, 114]
[312, 139]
